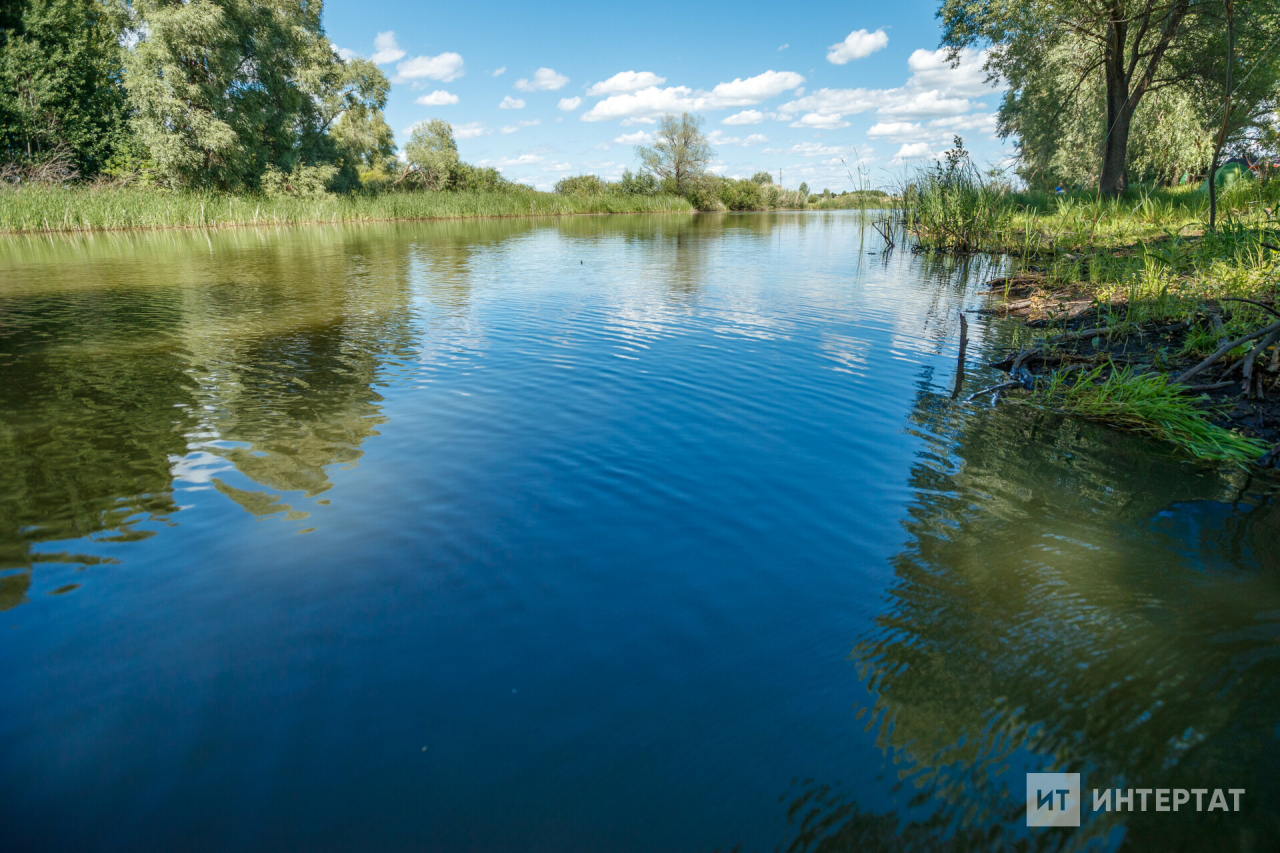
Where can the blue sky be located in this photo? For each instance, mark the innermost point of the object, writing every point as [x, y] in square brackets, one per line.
[542, 91]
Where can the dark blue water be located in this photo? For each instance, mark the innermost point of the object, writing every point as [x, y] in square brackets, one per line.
[600, 534]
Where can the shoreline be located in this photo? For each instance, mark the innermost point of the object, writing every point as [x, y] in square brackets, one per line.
[1236, 388]
[219, 226]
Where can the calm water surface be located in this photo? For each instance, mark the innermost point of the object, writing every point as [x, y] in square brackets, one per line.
[628, 533]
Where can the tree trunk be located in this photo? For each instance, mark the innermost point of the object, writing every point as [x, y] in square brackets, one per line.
[1226, 114]
[1115, 145]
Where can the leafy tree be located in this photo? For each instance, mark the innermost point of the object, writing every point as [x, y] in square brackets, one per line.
[222, 89]
[351, 113]
[1136, 47]
[1059, 121]
[680, 153]
[762, 178]
[581, 185]
[639, 183]
[803, 189]
[60, 80]
[432, 153]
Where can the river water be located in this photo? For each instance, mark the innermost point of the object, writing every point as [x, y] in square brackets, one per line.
[603, 533]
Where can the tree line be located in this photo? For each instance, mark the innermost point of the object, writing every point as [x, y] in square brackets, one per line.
[1102, 92]
[247, 95]
[223, 94]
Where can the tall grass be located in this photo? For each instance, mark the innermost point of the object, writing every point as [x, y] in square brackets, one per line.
[1146, 404]
[955, 208]
[70, 208]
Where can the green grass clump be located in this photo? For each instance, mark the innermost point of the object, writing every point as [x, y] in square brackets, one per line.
[107, 208]
[1146, 404]
[955, 208]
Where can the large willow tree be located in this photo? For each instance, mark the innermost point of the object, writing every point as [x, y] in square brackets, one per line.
[222, 90]
[1122, 52]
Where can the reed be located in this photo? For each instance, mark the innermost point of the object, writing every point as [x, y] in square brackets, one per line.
[72, 208]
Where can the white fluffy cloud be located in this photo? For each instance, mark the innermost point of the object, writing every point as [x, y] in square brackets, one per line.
[557, 167]
[857, 45]
[913, 151]
[446, 68]
[569, 104]
[981, 122]
[522, 160]
[470, 130]
[498, 72]
[634, 138]
[931, 70]
[438, 98]
[385, 48]
[643, 104]
[744, 117]
[933, 90]
[895, 131]
[753, 90]
[543, 80]
[931, 135]
[344, 53]
[821, 121]
[718, 137]
[817, 149]
[510, 103]
[512, 128]
[626, 81]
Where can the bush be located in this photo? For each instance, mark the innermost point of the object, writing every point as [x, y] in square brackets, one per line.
[463, 177]
[640, 183]
[704, 194]
[303, 181]
[581, 185]
[741, 195]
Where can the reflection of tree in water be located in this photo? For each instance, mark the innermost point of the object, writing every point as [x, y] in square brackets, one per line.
[268, 347]
[1066, 594]
[88, 384]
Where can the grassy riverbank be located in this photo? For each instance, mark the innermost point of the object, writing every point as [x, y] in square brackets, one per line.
[1135, 313]
[80, 208]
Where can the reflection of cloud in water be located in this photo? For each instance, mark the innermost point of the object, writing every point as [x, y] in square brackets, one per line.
[850, 353]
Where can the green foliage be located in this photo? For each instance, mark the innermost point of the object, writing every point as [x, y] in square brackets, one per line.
[762, 178]
[581, 185]
[463, 177]
[640, 183]
[856, 200]
[803, 189]
[87, 208]
[742, 195]
[60, 80]
[1146, 404]
[954, 207]
[1059, 120]
[223, 89]
[304, 181]
[352, 115]
[432, 152]
[1078, 72]
[679, 154]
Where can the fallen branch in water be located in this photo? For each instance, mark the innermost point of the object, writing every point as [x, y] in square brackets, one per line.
[1003, 386]
[964, 341]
